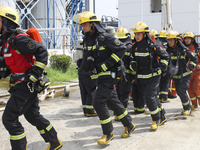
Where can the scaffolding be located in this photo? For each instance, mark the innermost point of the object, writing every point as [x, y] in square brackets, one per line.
[53, 18]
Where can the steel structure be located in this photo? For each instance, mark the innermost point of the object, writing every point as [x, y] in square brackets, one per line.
[53, 18]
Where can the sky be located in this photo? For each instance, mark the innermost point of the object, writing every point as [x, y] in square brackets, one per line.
[105, 7]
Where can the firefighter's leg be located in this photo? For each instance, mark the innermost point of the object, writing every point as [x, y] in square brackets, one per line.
[139, 97]
[164, 86]
[196, 85]
[163, 118]
[181, 88]
[150, 94]
[103, 93]
[18, 103]
[44, 127]
[191, 92]
[135, 95]
[121, 113]
[90, 86]
[123, 90]
[82, 92]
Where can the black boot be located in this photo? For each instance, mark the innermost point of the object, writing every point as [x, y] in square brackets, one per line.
[55, 144]
[128, 131]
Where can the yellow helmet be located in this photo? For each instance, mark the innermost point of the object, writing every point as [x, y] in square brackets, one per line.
[122, 33]
[132, 35]
[189, 34]
[154, 33]
[10, 14]
[140, 27]
[84, 17]
[173, 35]
[163, 34]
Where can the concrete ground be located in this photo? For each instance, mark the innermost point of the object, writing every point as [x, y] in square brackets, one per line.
[78, 132]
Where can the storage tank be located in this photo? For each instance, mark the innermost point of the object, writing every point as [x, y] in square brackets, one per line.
[8, 3]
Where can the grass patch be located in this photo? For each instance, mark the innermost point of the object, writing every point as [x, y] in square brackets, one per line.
[57, 76]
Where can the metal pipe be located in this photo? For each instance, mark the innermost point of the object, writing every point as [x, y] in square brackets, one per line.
[94, 6]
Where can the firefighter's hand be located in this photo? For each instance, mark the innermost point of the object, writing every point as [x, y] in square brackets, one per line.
[34, 73]
[187, 69]
[164, 74]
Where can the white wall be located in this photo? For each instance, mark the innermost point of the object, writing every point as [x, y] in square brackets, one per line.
[185, 14]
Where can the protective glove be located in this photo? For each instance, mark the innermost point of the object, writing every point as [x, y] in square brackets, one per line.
[133, 65]
[33, 74]
[104, 66]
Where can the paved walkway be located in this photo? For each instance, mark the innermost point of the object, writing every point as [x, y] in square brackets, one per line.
[78, 132]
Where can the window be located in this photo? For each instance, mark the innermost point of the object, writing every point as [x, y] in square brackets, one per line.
[155, 6]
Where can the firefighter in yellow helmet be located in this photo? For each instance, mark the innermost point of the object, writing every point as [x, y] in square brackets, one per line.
[124, 85]
[23, 80]
[179, 68]
[148, 70]
[154, 33]
[194, 92]
[165, 78]
[103, 53]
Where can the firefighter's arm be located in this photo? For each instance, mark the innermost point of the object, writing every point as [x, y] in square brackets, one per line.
[198, 62]
[27, 45]
[193, 59]
[118, 49]
[164, 57]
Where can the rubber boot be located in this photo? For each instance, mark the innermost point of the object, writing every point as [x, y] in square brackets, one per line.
[163, 118]
[194, 106]
[91, 115]
[54, 145]
[155, 125]
[186, 112]
[164, 100]
[128, 131]
[105, 139]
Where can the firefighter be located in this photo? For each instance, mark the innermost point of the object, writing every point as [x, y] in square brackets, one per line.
[165, 78]
[138, 99]
[148, 71]
[124, 85]
[154, 34]
[179, 68]
[103, 55]
[23, 99]
[194, 92]
[87, 90]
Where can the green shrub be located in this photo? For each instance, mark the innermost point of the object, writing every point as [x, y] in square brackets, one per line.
[60, 62]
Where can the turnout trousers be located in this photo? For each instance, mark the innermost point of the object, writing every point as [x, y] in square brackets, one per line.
[124, 89]
[149, 89]
[106, 96]
[138, 98]
[23, 102]
[181, 89]
[87, 90]
[194, 88]
[164, 86]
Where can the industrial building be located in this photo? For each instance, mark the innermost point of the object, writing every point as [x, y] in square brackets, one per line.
[185, 14]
